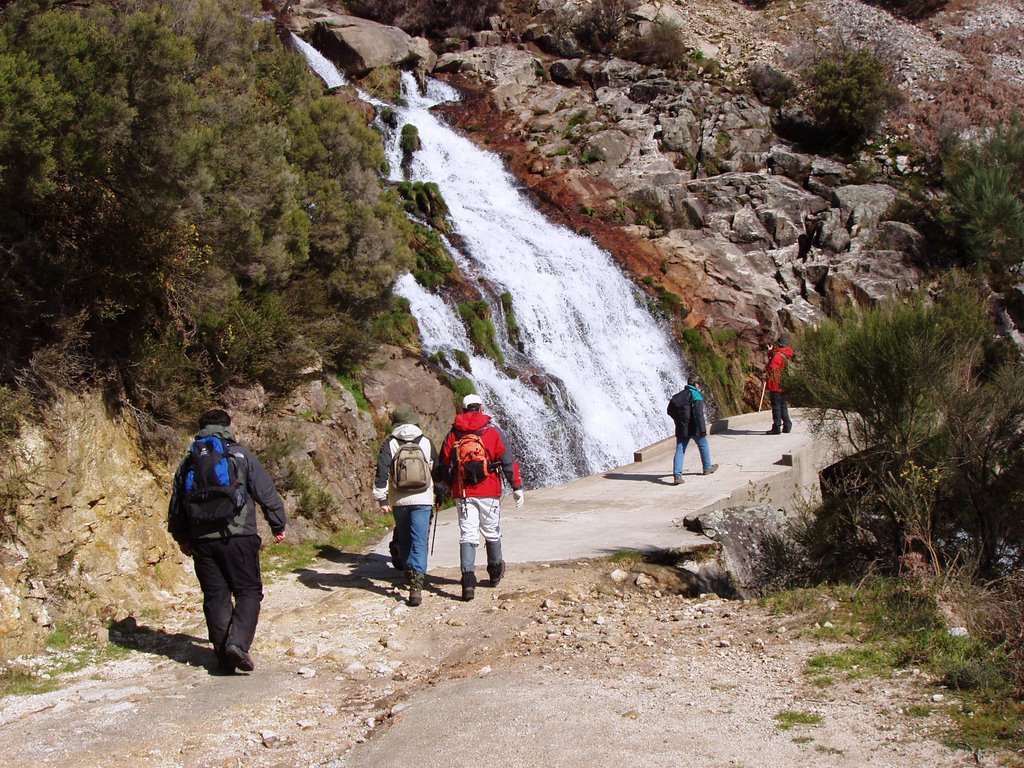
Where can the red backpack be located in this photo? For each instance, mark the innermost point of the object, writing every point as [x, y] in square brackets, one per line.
[471, 463]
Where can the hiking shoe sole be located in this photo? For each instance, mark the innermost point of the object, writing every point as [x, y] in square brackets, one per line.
[242, 660]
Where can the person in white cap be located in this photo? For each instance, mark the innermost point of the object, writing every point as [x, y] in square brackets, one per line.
[474, 457]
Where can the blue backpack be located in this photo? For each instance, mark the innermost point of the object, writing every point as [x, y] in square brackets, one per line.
[212, 490]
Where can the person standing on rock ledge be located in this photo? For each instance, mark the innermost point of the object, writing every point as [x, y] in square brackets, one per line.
[687, 411]
[779, 353]
[212, 517]
[403, 486]
[473, 458]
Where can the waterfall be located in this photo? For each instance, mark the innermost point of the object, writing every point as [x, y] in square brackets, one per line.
[589, 380]
[320, 64]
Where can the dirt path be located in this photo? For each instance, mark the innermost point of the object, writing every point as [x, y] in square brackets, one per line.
[562, 665]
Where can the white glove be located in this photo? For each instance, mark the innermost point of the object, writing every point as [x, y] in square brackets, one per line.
[519, 496]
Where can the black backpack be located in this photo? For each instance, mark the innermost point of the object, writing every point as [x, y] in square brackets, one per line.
[213, 492]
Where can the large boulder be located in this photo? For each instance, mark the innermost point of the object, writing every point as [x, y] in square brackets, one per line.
[359, 45]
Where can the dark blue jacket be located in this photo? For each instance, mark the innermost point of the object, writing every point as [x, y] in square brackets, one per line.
[687, 411]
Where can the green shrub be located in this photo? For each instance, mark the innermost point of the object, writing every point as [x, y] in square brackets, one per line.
[850, 91]
[398, 326]
[434, 266]
[410, 143]
[424, 199]
[477, 317]
[985, 185]
[933, 442]
[249, 236]
[511, 326]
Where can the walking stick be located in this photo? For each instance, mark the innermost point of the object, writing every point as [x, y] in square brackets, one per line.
[760, 402]
[433, 521]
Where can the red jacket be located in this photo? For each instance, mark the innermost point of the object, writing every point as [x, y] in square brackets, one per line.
[776, 365]
[498, 457]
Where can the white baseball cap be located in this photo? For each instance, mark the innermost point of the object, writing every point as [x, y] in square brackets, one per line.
[469, 400]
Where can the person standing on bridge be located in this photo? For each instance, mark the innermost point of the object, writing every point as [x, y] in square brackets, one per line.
[474, 457]
[403, 486]
[687, 411]
[779, 353]
[212, 517]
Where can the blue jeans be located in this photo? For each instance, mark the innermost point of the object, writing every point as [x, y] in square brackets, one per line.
[412, 530]
[702, 446]
[780, 411]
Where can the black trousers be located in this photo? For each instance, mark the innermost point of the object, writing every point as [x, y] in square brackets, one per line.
[229, 568]
[780, 411]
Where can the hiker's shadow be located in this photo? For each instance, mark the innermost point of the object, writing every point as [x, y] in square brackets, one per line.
[176, 646]
[371, 572]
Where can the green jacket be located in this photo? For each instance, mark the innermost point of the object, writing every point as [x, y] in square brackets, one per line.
[254, 478]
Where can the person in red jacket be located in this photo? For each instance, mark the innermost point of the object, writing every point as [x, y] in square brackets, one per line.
[473, 459]
[779, 353]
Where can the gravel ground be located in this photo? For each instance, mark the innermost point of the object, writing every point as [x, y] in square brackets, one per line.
[564, 665]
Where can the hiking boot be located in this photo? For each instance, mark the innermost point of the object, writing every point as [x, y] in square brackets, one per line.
[496, 572]
[223, 665]
[396, 556]
[415, 581]
[787, 429]
[774, 431]
[468, 586]
[711, 469]
[242, 660]
[677, 480]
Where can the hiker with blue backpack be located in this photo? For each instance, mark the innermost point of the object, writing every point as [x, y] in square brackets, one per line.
[474, 458]
[212, 517]
[687, 411]
[404, 487]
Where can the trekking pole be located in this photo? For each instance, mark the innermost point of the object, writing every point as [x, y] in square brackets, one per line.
[761, 401]
[433, 521]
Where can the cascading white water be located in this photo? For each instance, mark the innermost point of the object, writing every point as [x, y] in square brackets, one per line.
[320, 64]
[608, 367]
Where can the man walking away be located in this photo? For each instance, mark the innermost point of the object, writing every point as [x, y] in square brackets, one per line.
[473, 458]
[403, 486]
[212, 517]
[779, 353]
[687, 411]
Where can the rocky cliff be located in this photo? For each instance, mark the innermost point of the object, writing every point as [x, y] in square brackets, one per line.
[685, 175]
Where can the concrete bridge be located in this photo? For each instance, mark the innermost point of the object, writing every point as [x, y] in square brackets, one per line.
[637, 506]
